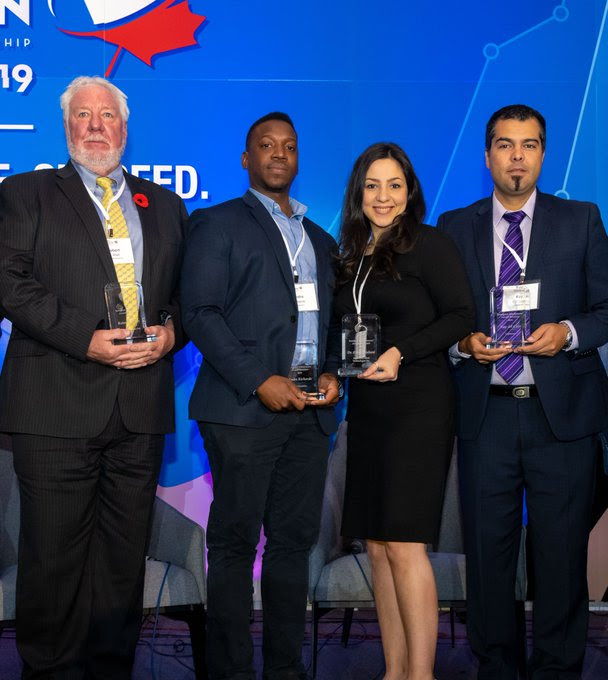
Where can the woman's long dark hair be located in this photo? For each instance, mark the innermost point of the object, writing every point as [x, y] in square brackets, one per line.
[355, 229]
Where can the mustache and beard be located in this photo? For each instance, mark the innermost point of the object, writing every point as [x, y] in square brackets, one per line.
[98, 161]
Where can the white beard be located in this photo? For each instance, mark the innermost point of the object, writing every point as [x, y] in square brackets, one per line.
[99, 162]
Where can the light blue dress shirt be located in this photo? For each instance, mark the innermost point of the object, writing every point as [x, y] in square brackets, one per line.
[306, 266]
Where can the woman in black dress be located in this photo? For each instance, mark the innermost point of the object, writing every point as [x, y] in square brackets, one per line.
[400, 409]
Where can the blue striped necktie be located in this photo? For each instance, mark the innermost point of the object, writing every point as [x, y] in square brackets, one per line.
[509, 325]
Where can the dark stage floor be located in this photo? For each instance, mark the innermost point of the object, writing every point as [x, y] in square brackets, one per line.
[168, 656]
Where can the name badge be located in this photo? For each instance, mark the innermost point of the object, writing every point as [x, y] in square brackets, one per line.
[521, 297]
[306, 296]
[121, 250]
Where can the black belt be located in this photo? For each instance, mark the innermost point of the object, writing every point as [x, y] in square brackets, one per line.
[517, 391]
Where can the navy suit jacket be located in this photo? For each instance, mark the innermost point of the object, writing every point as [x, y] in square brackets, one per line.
[240, 310]
[569, 255]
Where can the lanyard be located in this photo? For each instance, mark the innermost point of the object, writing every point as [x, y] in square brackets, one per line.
[521, 262]
[292, 259]
[105, 212]
[358, 298]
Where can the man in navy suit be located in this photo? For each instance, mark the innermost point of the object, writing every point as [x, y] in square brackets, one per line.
[529, 416]
[257, 287]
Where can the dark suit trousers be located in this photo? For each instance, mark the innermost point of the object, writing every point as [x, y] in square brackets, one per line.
[516, 450]
[85, 513]
[272, 476]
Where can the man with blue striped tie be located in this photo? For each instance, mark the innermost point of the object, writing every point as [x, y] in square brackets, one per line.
[529, 413]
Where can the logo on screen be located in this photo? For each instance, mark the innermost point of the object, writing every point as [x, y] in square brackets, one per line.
[143, 28]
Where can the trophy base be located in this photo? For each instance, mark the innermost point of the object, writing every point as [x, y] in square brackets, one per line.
[319, 396]
[135, 338]
[501, 344]
[353, 371]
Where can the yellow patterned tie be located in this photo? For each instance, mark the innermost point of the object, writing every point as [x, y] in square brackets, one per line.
[125, 273]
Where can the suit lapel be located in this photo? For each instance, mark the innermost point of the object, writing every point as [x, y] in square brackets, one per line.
[322, 266]
[150, 220]
[483, 233]
[539, 236]
[270, 228]
[69, 182]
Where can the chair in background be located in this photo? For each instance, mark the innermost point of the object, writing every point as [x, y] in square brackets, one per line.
[9, 536]
[340, 572]
[175, 575]
[175, 568]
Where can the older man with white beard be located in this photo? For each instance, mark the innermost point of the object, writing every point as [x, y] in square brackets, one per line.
[87, 414]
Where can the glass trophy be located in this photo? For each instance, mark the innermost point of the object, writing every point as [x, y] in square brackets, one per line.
[360, 343]
[509, 315]
[129, 315]
[304, 371]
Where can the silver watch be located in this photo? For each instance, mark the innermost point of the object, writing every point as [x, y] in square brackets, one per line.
[568, 342]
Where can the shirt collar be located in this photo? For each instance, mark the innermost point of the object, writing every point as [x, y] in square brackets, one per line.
[498, 209]
[298, 209]
[89, 178]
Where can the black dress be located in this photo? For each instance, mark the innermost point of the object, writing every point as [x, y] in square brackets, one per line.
[400, 433]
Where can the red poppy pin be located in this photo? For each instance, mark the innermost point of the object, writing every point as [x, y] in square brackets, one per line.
[141, 200]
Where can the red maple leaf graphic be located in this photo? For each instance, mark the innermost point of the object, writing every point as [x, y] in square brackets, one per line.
[163, 29]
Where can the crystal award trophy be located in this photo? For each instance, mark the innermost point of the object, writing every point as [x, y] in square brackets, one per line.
[125, 305]
[304, 371]
[510, 313]
[360, 343]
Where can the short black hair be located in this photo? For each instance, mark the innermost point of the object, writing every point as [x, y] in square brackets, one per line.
[274, 115]
[515, 112]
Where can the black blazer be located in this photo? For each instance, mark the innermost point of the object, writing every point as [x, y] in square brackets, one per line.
[54, 264]
[239, 308]
[569, 254]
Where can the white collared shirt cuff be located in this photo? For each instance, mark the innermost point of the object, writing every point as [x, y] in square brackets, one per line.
[456, 355]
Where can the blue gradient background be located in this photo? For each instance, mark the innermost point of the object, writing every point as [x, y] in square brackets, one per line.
[426, 75]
